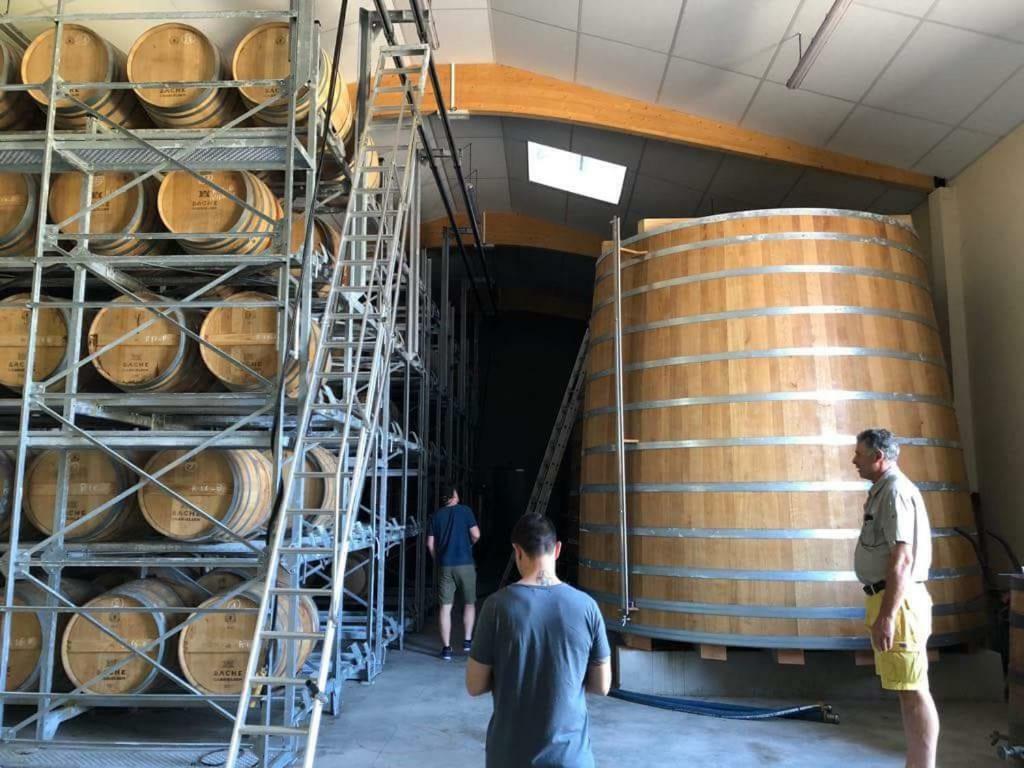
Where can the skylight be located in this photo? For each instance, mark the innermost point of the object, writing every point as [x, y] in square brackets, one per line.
[575, 173]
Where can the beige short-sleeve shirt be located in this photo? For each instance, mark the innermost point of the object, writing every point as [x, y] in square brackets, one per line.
[894, 512]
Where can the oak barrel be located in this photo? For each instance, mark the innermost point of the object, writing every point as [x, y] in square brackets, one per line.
[159, 358]
[189, 206]
[19, 196]
[756, 345]
[51, 340]
[127, 213]
[177, 53]
[87, 651]
[94, 478]
[265, 53]
[30, 630]
[16, 111]
[248, 334]
[7, 469]
[85, 57]
[214, 649]
[233, 486]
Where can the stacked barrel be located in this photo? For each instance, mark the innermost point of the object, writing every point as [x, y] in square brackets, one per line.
[142, 344]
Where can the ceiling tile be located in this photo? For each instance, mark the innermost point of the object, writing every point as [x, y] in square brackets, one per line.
[679, 164]
[464, 36]
[859, 48]
[543, 131]
[944, 73]
[561, 13]
[475, 127]
[620, 68]
[652, 28]
[1003, 110]
[916, 8]
[704, 90]
[486, 157]
[536, 200]
[995, 17]
[886, 137]
[800, 115]
[609, 146]
[898, 201]
[493, 195]
[589, 222]
[531, 45]
[656, 198]
[955, 152]
[734, 34]
[758, 182]
[818, 189]
[586, 206]
[517, 164]
[713, 206]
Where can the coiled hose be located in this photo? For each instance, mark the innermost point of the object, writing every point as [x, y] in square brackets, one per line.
[816, 713]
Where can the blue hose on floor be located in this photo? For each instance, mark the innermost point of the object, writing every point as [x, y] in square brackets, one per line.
[817, 713]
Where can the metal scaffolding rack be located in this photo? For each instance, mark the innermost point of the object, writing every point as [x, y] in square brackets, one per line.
[422, 442]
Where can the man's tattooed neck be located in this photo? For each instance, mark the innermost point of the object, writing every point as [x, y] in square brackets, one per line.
[545, 579]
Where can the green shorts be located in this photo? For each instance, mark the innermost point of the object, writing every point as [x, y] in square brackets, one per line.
[462, 577]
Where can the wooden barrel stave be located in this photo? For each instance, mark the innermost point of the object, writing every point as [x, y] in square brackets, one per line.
[19, 196]
[743, 506]
[16, 111]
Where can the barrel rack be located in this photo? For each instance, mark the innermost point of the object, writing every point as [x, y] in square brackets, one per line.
[429, 381]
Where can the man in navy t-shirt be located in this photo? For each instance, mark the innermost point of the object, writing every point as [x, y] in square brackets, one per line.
[541, 645]
[453, 532]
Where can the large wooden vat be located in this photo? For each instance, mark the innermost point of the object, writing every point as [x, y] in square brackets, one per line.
[265, 53]
[19, 196]
[94, 478]
[232, 486]
[16, 111]
[30, 630]
[176, 53]
[189, 206]
[756, 346]
[159, 358]
[129, 212]
[85, 57]
[87, 651]
[214, 649]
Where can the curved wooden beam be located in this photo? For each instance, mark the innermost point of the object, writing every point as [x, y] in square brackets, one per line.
[510, 228]
[495, 89]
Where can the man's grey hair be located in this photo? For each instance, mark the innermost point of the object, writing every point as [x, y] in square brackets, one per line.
[881, 440]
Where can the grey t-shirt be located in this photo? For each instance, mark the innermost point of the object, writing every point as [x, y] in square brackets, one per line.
[539, 642]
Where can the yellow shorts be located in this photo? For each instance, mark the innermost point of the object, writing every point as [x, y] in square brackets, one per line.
[905, 667]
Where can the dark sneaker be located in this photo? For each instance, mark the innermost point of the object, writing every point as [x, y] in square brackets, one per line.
[467, 646]
[446, 653]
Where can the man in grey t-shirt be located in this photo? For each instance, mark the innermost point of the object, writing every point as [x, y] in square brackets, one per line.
[539, 645]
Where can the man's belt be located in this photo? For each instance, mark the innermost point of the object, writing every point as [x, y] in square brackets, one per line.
[874, 589]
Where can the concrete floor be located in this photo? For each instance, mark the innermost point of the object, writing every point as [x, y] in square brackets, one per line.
[417, 714]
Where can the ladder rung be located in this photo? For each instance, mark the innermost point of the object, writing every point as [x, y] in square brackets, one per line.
[277, 634]
[368, 190]
[307, 550]
[300, 591]
[395, 88]
[275, 680]
[272, 730]
[300, 511]
[400, 70]
[313, 475]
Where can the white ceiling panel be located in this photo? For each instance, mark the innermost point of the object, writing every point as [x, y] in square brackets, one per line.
[652, 26]
[611, 147]
[679, 164]
[857, 51]
[524, 129]
[534, 46]
[954, 153]
[561, 13]
[995, 17]
[898, 201]
[807, 117]
[760, 183]
[916, 8]
[619, 68]
[1003, 110]
[943, 73]
[818, 189]
[493, 195]
[704, 90]
[656, 198]
[464, 36]
[486, 157]
[886, 137]
[535, 200]
[735, 34]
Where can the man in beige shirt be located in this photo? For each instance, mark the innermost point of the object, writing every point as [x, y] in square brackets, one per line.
[893, 555]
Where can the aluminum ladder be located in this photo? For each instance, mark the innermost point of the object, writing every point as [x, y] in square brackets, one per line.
[352, 354]
[559, 439]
